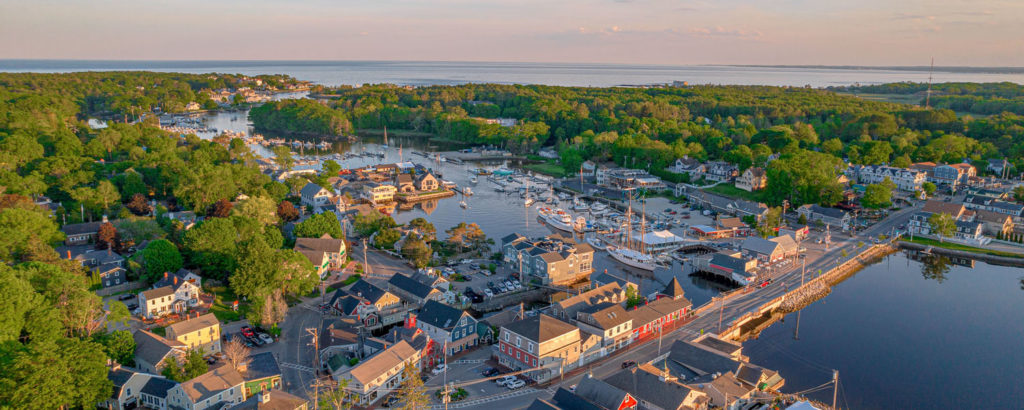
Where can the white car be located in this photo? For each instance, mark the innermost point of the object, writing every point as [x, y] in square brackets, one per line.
[506, 380]
[517, 284]
[266, 338]
[439, 369]
[516, 384]
[488, 293]
[508, 284]
[466, 261]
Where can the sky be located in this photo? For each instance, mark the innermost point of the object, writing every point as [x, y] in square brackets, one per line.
[670, 32]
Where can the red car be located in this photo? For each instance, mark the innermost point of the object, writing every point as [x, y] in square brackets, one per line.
[247, 331]
[766, 282]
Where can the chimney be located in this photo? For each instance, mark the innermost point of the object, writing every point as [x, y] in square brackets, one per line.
[175, 280]
[69, 253]
[165, 275]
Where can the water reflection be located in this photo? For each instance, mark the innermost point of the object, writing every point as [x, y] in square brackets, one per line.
[935, 267]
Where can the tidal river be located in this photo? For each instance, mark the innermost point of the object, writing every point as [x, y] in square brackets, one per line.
[908, 334]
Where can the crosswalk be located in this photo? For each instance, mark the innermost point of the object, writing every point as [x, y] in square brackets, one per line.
[298, 367]
[489, 399]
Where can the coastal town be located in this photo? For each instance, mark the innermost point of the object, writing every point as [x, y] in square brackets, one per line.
[265, 242]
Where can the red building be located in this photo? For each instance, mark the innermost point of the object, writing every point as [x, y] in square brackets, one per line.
[670, 307]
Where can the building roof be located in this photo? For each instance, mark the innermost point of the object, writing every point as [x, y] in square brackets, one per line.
[210, 383]
[368, 370]
[673, 290]
[607, 315]
[992, 217]
[645, 383]
[410, 285]
[756, 172]
[728, 347]
[158, 386]
[642, 315]
[786, 242]
[158, 292]
[279, 400]
[730, 262]
[509, 315]
[153, 348]
[731, 223]
[367, 291]
[609, 291]
[311, 189]
[942, 207]
[760, 245]
[439, 315]
[541, 404]
[699, 359]
[173, 280]
[194, 324]
[119, 377]
[81, 228]
[600, 393]
[261, 366]
[570, 401]
[540, 328]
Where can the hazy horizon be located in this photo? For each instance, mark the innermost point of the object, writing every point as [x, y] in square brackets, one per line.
[957, 33]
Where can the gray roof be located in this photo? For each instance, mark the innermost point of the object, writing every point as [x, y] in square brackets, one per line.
[725, 346]
[439, 315]
[158, 292]
[158, 386]
[366, 290]
[211, 383]
[119, 377]
[279, 400]
[649, 387]
[700, 360]
[310, 189]
[410, 285]
[829, 212]
[600, 393]
[194, 324]
[760, 245]
[152, 348]
[81, 228]
[541, 404]
[729, 262]
[540, 328]
[673, 289]
[570, 401]
[607, 315]
[261, 366]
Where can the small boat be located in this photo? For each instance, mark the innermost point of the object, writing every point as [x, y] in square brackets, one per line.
[581, 224]
[558, 219]
[463, 204]
[596, 243]
[580, 206]
[528, 201]
[467, 191]
[474, 180]
[599, 207]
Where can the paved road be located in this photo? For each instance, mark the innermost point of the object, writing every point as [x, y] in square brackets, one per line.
[295, 351]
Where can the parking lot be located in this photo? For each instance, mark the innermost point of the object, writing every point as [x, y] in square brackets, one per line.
[478, 277]
[469, 368]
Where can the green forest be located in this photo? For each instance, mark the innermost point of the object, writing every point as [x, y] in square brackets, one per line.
[810, 131]
[54, 338]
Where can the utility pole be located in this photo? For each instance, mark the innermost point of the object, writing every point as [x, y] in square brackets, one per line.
[835, 387]
[721, 311]
[366, 266]
[803, 269]
[661, 331]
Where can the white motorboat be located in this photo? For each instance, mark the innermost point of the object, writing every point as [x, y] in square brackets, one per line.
[558, 219]
[467, 191]
[632, 258]
[528, 201]
[580, 225]
[599, 207]
[580, 206]
[463, 204]
[473, 180]
[596, 243]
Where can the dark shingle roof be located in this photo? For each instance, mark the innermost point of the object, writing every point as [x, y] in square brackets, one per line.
[673, 289]
[649, 387]
[279, 400]
[82, 228]
[600, 393]
[119, 377]
[439, 315]
[607, 315]
[158, 386]
[152, 348]
[194, 324]
[158, 292]
[367, 291]
[700, 360]
[262, 366]
[310, 189]
[569, 401]
[540, 328]
[411, 286]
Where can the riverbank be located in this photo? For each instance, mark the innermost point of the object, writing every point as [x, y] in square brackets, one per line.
[423, 196]
[963, 251]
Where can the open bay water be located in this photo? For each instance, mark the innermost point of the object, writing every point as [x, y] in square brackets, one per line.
[419, 73]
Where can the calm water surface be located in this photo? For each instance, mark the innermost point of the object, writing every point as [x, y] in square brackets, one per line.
[905, 334]
[446, 73]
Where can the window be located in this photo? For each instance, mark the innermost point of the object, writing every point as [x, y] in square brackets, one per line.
[518, 355]
[503, 348]
[506, 336]
[519, 342]
[529, 347]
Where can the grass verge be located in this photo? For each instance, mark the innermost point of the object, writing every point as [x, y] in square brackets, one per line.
[961, 247]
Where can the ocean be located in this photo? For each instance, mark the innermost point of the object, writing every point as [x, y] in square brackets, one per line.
[420, 73]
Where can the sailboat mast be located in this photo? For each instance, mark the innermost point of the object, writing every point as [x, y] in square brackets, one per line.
[629, 219]
[643, 224]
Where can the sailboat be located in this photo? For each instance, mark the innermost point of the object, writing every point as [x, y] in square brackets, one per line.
[463, 204]
[624, 253]
[528, 201]
[385, 137]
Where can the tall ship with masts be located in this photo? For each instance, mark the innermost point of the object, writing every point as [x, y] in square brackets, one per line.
[624, 252]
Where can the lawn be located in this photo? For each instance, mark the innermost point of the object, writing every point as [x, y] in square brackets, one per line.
[222, 300]
[547, 168]
[961, 247]
[732, 192]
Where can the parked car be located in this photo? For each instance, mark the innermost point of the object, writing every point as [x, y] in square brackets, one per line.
[490, 372]
[248, 343]
[766, 282]
[439, 369]
[211, 360]
[628, 363]
[517, 284]
[266, 338]
[508, 284]
[132, 306]
[126, 296]
[247, 331]
[389, 401]
[464, 261]
[516, 384]
[505, 380]
[502, 288]
[488, 293]
[257, 341]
